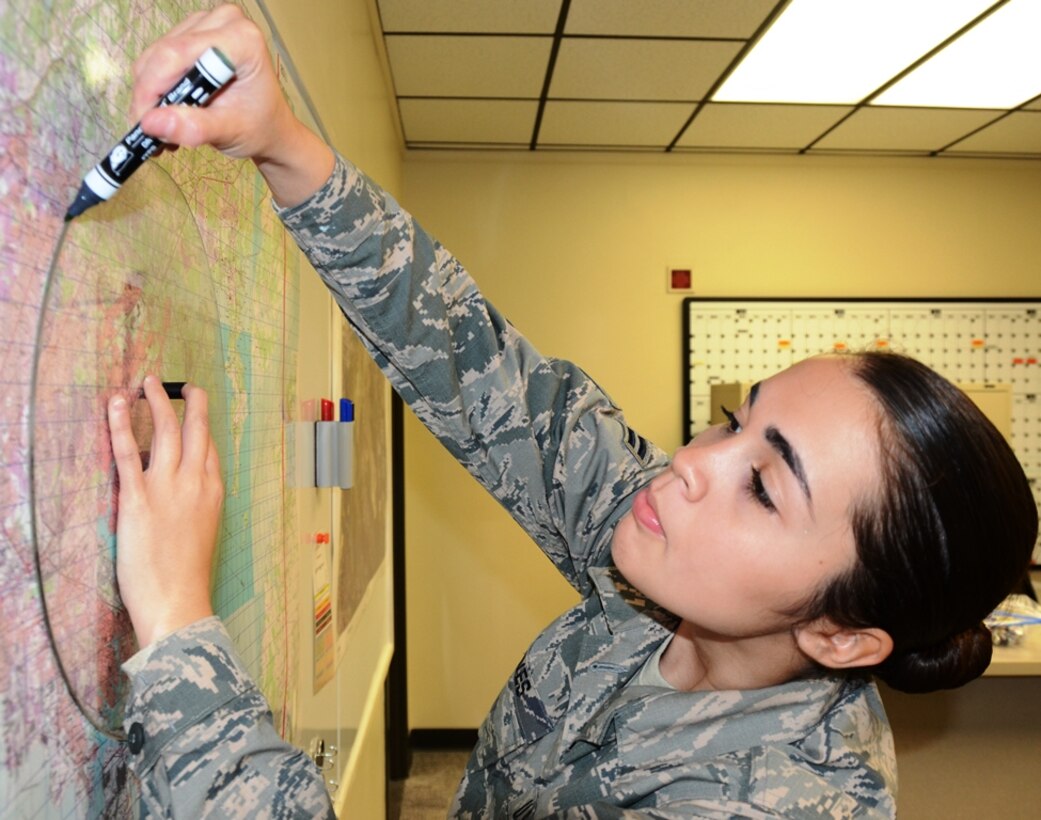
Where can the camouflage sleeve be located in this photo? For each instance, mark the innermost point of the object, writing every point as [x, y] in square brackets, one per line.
[725, 810]
[201, 739]
[687, 809]
[537, 432]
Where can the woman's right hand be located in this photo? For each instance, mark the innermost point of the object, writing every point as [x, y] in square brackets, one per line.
[250, 118]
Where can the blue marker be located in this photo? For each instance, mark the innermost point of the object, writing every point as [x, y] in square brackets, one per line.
[345, 445]
[209, 74]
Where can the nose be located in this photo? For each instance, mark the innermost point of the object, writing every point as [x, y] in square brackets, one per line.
[689, 465]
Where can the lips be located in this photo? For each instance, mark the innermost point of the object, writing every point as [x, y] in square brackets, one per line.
[645, 514]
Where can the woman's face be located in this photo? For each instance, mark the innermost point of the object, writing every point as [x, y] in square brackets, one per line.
[753, 516]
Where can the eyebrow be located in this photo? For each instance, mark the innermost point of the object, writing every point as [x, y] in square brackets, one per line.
[784, 448]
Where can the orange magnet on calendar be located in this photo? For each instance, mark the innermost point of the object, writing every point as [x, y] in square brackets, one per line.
[977, 343]
[881, 343]
[784, 344]
[840, 346]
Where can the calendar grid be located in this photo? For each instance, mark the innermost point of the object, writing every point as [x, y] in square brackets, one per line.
[969, 341]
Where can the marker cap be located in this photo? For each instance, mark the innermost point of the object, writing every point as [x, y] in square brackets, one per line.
[346, 410]
[214, 63]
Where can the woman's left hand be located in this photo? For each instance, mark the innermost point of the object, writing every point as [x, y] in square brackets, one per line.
[167, 514]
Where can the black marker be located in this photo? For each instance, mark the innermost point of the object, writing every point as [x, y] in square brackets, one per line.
[173, 389]
[209, 74]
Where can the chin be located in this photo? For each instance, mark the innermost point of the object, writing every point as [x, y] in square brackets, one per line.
[628, 560]
[621, 554]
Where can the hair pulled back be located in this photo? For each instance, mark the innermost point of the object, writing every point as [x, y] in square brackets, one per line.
[945, 537]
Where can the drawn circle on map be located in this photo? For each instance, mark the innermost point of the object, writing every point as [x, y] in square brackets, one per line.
[130, 293]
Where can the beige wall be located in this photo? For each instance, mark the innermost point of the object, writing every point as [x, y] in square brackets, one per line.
[574, 251]
[333, 49]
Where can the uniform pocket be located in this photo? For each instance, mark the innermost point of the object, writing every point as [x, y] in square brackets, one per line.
[528, 707]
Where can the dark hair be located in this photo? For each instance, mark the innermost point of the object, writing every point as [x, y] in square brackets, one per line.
[946, 536]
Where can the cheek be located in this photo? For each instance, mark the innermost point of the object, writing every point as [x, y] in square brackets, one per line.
[809, 567]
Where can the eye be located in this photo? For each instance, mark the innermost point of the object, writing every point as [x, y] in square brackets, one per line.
[733, 425]
[755, 486]
[757, 491]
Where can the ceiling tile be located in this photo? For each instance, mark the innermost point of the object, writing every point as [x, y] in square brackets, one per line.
[737, 125]
[468, 121]
[629, 74]
[1018, 133]
[611, 123]
[668, 18]
[433, 66]
[639, 69]
[490, 16]
[903, 129]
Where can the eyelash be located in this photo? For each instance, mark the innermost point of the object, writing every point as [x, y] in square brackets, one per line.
[733, 425]
[758, 491]
[754, 487]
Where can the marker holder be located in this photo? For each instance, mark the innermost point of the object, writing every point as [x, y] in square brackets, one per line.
[325, 451]
[325, 457]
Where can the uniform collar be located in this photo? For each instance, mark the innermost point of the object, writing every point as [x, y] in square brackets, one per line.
[779, 713]
[624, 606]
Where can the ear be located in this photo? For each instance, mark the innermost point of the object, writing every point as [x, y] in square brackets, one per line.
[841, 647]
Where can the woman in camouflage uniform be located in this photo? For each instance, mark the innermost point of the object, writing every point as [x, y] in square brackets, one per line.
[856, 517]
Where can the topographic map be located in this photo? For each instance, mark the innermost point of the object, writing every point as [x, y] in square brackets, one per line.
[187, 274]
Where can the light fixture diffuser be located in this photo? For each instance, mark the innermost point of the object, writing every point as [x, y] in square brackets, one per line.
[840, 51]
[996, 64]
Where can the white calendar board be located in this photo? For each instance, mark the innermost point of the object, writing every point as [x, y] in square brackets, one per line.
[980, 341]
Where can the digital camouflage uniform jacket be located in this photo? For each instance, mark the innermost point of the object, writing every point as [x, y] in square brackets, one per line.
[201, 739]
[567, 736]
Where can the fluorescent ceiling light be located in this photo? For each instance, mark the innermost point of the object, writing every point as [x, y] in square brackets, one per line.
[996, 64]
[840, 51]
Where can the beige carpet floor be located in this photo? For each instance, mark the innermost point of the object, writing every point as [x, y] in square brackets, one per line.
[430, 787]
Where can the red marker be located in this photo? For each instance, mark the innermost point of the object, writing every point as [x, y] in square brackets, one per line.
[327, 410]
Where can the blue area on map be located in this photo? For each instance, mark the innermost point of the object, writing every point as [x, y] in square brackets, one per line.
[235, 555]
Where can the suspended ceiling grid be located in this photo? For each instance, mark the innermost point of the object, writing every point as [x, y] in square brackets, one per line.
[637, 75]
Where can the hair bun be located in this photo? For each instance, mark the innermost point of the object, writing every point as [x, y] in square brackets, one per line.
[951, 663]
